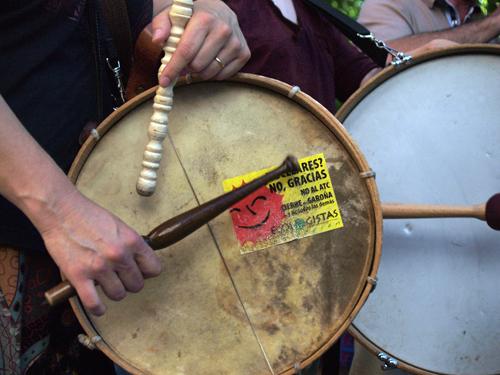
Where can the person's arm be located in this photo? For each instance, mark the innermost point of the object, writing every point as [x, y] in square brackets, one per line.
[391, 21]
[213, 31]
[87, 243]
[481, 31]
[433, 45]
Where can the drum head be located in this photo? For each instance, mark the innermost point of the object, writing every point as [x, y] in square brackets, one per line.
[214, 310]
[431, 132]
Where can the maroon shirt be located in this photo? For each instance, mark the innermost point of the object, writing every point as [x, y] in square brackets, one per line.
[313, 55]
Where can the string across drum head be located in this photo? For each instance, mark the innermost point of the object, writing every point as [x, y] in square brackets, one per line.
[214, 310]
[431, 132]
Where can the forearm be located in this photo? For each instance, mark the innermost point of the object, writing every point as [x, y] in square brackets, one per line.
[480, 31]
[29, 178]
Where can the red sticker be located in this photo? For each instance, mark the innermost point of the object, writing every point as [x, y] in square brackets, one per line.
[256, 217]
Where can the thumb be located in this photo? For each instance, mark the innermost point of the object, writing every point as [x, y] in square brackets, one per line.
[161, 27]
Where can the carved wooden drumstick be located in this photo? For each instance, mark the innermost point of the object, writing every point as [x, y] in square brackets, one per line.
[180, 226]
[180, 13]
[490, 211]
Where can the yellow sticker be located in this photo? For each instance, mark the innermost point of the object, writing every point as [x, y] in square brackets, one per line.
[293, 206]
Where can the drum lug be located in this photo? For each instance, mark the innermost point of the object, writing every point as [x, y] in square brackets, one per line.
[399, 58]
[368, 174]
[88, 342]
[389, 362]
[373, 282]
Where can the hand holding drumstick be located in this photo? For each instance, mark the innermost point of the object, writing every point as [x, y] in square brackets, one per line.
[211, 45]
[177, 228]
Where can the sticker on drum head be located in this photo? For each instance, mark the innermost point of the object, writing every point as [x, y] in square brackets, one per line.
[294, 206]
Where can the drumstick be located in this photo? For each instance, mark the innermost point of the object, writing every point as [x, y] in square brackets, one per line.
[180, 226]
[180, 13]
[490, 211]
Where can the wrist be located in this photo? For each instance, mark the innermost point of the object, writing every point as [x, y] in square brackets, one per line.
[47, 203]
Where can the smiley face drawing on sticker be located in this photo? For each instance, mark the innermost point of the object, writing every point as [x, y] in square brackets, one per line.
[256, 216]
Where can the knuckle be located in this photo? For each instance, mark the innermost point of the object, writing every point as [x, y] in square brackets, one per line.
[234, 46]
[196, 67]
[206, 18]
[224, 31]
[116, 254]
[74, 270]
[133, 241]
[98, 265]
[246, 54]
[244, 57]
[153, 270]
[185, 51]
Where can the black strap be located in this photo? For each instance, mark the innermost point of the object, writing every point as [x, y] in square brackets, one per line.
[94, 30]
[115, 14]
[351, 29]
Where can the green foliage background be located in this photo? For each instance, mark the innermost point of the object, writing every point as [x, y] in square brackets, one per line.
[351, 7]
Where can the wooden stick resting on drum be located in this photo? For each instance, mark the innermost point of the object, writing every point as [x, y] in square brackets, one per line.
[178, 227]
[180, 13]
[490, 211]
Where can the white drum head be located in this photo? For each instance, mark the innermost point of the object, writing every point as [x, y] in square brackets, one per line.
[432, 135]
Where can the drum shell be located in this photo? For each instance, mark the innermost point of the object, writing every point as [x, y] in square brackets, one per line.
[198, 252]
[431, 126]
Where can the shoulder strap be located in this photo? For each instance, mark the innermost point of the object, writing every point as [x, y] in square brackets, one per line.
[117, 21]
[352, 30]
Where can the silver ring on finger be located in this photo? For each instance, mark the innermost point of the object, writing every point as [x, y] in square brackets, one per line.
[220, 62]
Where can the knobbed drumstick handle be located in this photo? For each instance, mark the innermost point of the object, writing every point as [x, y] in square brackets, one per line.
[180, 13]
[407, 211]
[175, 229]
[489, 212]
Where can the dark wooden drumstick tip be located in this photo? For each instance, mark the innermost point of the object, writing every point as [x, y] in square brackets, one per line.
[292, 163]
[493, 212]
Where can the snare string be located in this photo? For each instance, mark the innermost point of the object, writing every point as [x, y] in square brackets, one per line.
[223, 260]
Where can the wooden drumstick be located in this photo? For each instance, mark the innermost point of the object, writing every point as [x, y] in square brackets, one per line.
[180, 13]
[180, 226]
[490, 211]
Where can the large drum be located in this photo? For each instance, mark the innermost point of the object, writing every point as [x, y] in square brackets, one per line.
[214, 309]
[431, 132]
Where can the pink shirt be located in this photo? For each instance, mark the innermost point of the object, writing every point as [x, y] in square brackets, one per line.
[393, 19]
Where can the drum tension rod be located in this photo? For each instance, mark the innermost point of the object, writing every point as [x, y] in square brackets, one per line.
[373, 282]
[389, 362]
[368, 174]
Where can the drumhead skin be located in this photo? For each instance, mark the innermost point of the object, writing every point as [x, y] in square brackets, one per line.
[214, 310]
[431, 133]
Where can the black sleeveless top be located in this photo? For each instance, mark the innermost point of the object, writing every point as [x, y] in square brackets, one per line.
[47, 76]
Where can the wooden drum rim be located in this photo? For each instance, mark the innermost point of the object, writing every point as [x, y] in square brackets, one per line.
[388, 72]
[372, 348]
[328, 120]
[354, 100]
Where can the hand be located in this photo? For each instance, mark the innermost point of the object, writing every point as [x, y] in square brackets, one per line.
[91, 246]
[212, 31]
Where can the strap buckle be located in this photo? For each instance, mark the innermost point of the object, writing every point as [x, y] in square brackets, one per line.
[399, 57]
[116, 69]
